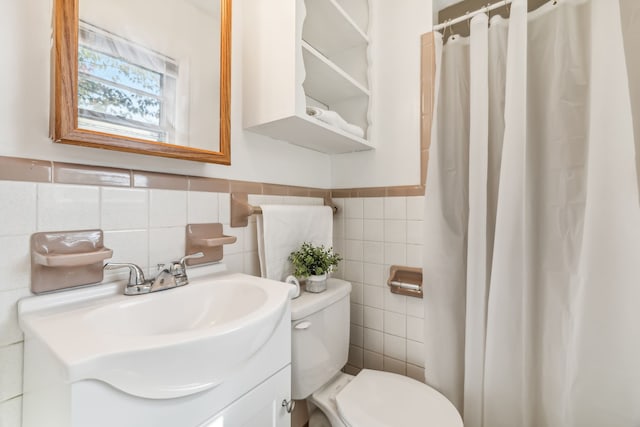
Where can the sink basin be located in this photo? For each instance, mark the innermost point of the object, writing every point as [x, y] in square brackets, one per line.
[161, 345]
[191, 309]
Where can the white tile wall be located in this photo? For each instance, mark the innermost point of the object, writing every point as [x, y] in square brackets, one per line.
[132, 246]
[10, 332]
[124, 209]
[147, 227]
[373, 318]
[395, 208]
[18, 210]
[12, 255]
[373, 340]
[373, 360]
[141, 226]
[10, 371]
[373, 230]
[167, 208]
[68, 207]
[165, 244]
[395, 324]
[373, 208]
[202, 207]
[18, 219]
[386, 329]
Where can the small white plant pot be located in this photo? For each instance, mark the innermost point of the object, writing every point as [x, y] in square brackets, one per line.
[317, 284]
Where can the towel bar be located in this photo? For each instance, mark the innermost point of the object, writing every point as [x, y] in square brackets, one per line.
[241, 210]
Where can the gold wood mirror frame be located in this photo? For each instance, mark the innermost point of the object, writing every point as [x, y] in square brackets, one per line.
[64, 100]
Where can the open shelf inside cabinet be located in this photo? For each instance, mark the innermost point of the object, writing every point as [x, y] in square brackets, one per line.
[325, 81]
[325, 65]
[329, 29]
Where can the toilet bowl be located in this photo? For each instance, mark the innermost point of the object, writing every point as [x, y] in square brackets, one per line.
[320, 345]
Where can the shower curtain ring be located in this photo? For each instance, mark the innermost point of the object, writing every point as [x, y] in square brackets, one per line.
[508, 7]
[447, 23]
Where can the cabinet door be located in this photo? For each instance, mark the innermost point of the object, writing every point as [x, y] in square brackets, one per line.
[260, 407]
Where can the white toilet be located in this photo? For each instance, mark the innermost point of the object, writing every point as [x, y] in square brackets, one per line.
[320, 344]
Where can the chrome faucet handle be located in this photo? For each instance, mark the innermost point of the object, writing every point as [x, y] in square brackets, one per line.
[183, 260]
[179, 268]
[136, 275]
[172, 267]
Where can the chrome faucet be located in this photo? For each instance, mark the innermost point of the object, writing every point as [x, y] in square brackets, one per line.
[178, 269]
[171, 275]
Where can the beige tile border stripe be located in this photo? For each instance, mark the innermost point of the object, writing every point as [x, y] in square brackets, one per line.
[20, 169]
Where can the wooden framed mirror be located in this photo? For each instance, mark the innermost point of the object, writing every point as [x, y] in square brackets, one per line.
[143, 76]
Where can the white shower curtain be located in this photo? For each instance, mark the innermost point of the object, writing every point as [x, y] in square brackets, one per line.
[532, 219]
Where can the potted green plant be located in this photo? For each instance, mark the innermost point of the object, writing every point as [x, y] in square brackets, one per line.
[314, 263]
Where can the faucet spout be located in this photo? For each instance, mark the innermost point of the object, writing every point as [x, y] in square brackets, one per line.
[136, 275]
[137, 284]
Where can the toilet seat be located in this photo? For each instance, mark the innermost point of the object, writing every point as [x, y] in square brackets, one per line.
[383, 399]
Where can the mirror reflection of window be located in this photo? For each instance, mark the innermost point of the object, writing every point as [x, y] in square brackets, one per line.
[144, 76]
[125, 88]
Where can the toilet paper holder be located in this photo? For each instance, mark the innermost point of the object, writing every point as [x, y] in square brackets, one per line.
[405, 281]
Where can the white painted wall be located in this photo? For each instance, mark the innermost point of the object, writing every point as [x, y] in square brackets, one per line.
[25, 40]
[396, 30]
[438, 5]
[397, 26]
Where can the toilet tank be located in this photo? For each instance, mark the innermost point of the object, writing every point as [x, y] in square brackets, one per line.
[319, 337]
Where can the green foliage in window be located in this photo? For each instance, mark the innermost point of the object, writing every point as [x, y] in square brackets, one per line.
[102, 82]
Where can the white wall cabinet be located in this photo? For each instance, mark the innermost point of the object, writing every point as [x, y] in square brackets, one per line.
[307, 53]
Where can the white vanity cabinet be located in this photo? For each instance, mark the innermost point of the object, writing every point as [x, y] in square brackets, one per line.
[304, 53]
[216, 353]
[261, 407]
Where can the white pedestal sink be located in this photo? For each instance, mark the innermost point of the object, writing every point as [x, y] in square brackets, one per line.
[94, 357]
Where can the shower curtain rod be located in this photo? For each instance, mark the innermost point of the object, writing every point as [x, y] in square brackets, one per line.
[470, 15]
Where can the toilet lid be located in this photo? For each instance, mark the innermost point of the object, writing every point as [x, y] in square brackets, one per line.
[383, 399]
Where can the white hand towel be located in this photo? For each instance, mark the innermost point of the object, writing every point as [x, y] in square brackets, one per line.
[282, 229]
[334, 119]
[330, 117]
[353, 129]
